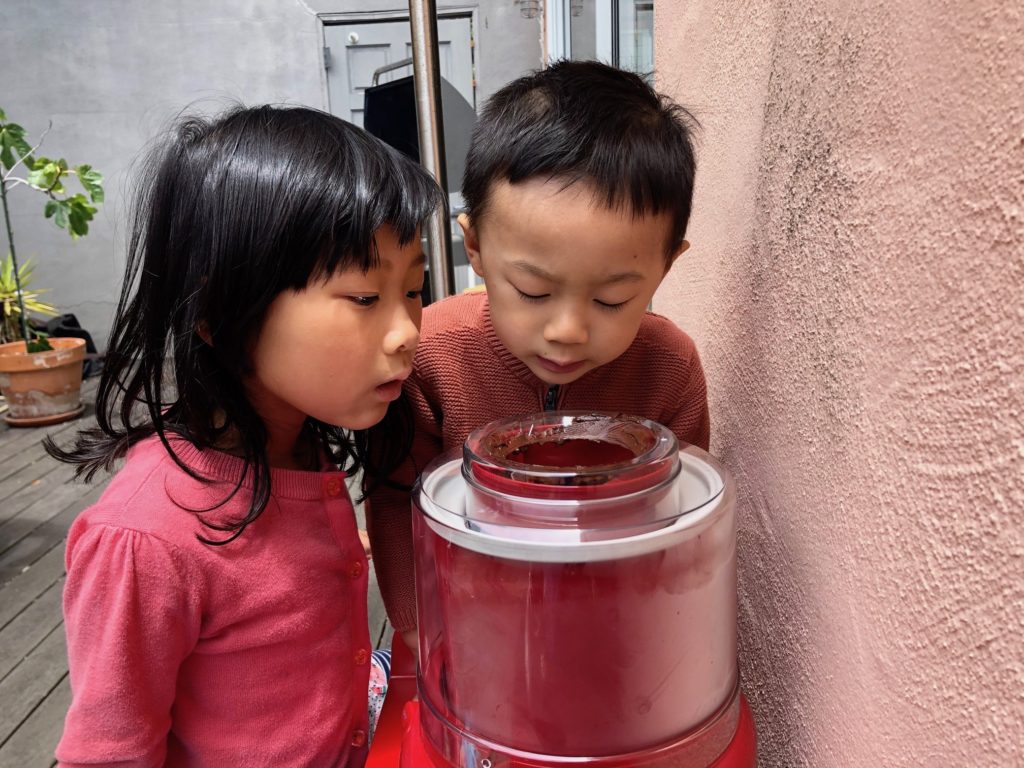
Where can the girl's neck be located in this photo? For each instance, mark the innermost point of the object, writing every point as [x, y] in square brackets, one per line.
[300, 454]
[290, 442]
[294, 448]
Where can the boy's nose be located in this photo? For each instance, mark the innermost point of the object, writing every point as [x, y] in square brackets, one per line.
[568, 326]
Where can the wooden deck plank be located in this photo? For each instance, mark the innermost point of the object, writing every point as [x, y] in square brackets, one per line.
[29, 628]
[33, 474]
[34, 543]
[19, 440]
[38, 512]
[31, 681]
[22, 488]
[32, 745]
[18, 593]
[39, 485]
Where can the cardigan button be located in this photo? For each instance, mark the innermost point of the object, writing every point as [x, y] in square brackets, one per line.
[361, 656]
[333, 486]
[358, 738]
[355, 570]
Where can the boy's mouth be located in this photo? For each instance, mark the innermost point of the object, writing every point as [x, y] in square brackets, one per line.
[556, 367]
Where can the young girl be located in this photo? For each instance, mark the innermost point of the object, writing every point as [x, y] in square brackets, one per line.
[215, 602]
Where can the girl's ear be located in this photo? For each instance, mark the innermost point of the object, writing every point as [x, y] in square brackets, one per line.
[203, 332]
[471, 241]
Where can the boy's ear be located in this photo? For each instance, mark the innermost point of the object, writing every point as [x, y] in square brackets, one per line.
[471, 241]
[682, 249]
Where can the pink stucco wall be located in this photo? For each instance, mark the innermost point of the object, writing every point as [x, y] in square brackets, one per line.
[856, 287]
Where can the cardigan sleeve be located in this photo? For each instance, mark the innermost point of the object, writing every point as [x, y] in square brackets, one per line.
[131, 615]
[389, 514]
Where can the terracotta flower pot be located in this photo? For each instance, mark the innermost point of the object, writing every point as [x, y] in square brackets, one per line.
[43, 387]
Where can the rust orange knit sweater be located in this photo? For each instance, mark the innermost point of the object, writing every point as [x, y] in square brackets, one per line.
[464, 377]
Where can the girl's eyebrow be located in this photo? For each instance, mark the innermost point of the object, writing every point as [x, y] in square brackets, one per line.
[619, 277]
[417, 261]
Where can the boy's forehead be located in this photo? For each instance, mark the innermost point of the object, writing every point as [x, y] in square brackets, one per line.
[543, 207]
[542, 190]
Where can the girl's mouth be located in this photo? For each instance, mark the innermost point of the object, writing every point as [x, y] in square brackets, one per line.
[390, 390]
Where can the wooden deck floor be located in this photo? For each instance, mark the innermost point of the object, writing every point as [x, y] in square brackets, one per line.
[38, 502]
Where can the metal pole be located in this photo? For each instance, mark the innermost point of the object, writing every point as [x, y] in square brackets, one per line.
[427, 78]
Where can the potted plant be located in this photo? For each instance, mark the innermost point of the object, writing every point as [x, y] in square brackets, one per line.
[40, 378]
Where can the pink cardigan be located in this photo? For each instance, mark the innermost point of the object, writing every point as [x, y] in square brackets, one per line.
[255, 653]
[464, 377]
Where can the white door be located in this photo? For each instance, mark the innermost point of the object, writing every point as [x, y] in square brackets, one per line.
[356, 50]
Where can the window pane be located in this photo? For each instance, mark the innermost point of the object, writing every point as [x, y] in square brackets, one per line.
[636, 35]
[583, 30]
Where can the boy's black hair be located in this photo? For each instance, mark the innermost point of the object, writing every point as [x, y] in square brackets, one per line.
[230, 213]
[583, 121]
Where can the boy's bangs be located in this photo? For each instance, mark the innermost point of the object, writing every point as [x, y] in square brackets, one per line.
[586, 122]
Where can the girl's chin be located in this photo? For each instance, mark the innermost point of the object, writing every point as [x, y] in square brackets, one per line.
[364, 420]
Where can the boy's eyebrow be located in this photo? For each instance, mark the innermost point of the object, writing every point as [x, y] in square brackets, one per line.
[619, 277]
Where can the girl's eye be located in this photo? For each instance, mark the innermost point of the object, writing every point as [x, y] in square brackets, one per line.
[532, 296]
[610, 306]
[363, 301]
[415, 294]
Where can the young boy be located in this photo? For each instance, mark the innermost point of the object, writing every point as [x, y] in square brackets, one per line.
[578, 187]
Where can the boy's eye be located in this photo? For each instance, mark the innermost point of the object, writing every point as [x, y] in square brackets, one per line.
[611, 305]
[363, 301]
[532, 296]
[416, 293]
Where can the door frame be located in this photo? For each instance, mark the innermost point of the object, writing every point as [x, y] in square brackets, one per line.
[337, 18]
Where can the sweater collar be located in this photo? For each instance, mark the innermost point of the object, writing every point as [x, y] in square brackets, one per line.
[219, 466]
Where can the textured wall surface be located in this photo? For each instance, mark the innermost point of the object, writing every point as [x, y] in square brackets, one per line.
[856, 287]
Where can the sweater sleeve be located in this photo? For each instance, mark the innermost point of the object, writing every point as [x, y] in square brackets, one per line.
[131, 616]
[389, 515]
[691, 421]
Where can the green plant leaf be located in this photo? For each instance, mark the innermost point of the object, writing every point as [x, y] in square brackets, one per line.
[13, 146]
[6, 155]
[51, 208]
[92, 181]
[3, 115]
[44, 174]
[61, 214]
[80, 213]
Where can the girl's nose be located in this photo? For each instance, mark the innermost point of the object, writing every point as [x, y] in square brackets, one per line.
[404, 333]
[567, 326]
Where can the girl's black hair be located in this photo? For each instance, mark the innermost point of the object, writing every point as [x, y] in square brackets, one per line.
[230, 213]
[583, 121]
